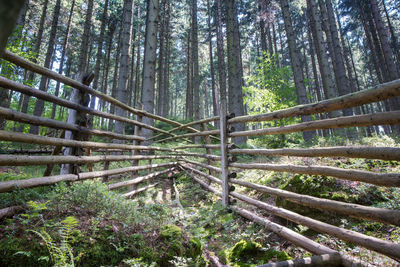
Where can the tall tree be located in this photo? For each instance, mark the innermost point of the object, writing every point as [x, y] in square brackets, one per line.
[195, 61]
[212, 70]
[123, 77]
[47, 62]
[235, 74]
[296, 64]
[149, 62]
[221, 56]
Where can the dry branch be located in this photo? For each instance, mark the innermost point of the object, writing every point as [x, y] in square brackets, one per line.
[354, 210]
[12, 115]
[382, 118]
[139, 179]
[382, 179]
[377, 93]
[383, 153]
[134, 192]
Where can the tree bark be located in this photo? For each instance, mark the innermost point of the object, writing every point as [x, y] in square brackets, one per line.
[212, 70]
[49, 54]
[149, 62]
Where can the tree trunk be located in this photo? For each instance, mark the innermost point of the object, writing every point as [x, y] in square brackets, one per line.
[160, 70]
[212, 70]
[189, 80]
[122, 93]
[234, 66]
[149, 62]
[165, 104]
[63, 53]
[195, 61]
[221, 56]
[296, 64]
[49, 54]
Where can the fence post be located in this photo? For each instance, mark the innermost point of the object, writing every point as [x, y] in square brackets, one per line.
[207, 141]
[224, 154]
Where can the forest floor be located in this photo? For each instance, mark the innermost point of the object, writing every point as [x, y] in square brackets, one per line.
[153, 230]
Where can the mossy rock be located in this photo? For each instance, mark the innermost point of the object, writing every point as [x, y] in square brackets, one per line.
[172, 244]
[248, 253]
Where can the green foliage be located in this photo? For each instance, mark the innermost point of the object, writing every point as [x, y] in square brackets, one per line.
[248, 253]
[270, 89]
[61, 255]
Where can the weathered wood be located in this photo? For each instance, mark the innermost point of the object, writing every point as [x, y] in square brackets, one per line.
[53, 141]
[10, 211]
[24, 89]
[198, 146]
[209, 167]
[353, 210]
[208, 176]
[383, 118]
[135, 192]
[25, 151]
[223, 132]
[326, 260]
[383, 153]
[17, 60]
[206, 156]
[377, 93]
[8, 186]
[138, 179]
[177, 198]
[382, 246]
[12, 115]
[57, 150]
[211, 132]
[382, 179]
[284, 232]
[11, 160]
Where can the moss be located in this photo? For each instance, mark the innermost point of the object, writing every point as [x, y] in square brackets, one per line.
[172, 244]
[248, 253]
[171, 232]
[195, 248]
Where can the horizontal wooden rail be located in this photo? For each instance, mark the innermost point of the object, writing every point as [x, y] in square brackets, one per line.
[197, 146]
[138, 179]
[209, 167]
[11, 160]
[282, 231]
[354, 210]
[208, 176]
[382, 118]
[203, 133]
[328, 260]
[137, 191]
[206, 156]
[65, 103]
[187, 125]
[52, 141]
[382, 179]
[12, 115]
[19, 61]
[383, 153]
[377, 93]
[382, 246]
[9, 186]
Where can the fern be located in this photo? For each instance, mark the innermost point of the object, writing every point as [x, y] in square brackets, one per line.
[60, 255]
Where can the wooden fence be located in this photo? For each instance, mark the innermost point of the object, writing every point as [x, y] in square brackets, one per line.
[220, 169]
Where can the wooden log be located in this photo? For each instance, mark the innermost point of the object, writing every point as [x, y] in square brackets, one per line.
[382, 118]
[137, 191]
[209, 167]
[6, 83]
[381, 179]
[44, 140]
[282, 231]
[25, 151]
[382, 246]
[377, 93]
[198, 146]
[11, 160]
[206, 156]
[353, 210]
[208, 176]
[20, 61]
[383, 153]
[12, 115]
[9, 11]
[138, 179]
[10, 211]
[211, 132]
[8, 186]
[326, 260]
